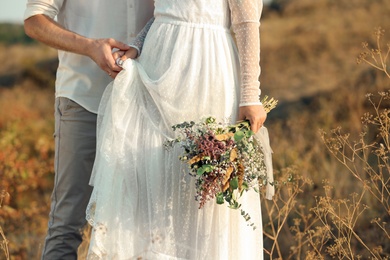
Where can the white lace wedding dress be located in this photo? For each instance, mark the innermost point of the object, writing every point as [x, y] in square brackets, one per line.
[143, 204]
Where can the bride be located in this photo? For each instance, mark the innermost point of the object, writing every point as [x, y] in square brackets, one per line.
[143, 203]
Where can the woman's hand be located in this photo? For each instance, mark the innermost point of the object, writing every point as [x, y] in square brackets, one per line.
[121, 56]
[131, 53]
[255, 114]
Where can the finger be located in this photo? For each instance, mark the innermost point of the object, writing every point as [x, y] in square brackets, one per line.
[111, 64]
[110, 69]
[254, 127]
[124, 57]
[119, 45]
[256, 124]
[119, 61]
[111, 60]
[240, 116]
[112, 74]
[118, 54]
[252, 123]
[132, 53]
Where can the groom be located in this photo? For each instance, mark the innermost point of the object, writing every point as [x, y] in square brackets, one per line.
[85, 33]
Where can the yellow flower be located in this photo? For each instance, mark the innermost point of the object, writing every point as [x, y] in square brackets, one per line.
[224, 137]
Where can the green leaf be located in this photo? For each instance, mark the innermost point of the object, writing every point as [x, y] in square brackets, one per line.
[228, 197]
[249, 133]
[210, 120]
[200, 171]
[238, 136]
[204, 168]
[208, 168]
[235, 205]
[219, 197]
[234, 183]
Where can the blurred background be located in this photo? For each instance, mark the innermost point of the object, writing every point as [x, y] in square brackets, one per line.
[12, 11]
[310, 50]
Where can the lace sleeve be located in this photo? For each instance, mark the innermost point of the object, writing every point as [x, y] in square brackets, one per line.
[138, 41]
[245, 16]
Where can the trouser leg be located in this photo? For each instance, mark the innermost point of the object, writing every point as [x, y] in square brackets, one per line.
[75, 141]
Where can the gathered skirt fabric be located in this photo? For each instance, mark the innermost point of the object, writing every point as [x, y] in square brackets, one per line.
[143, 203]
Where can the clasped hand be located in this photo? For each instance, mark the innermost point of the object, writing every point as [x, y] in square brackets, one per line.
[120, 56]
[255, 114]
[106, 51]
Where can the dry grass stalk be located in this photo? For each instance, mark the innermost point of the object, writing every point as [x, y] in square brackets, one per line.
[340, 218]
[333, 227]
[4, 240]
[280, 208]
[376, 57]
[368, 161]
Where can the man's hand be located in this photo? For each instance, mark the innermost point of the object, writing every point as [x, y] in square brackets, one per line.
[101, 53]
[48, 31]
[255, 114]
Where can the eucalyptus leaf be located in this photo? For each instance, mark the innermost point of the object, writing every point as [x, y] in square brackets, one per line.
[234, 183]
[200, 171]
[204, 168]
[238, 136]
[249, 133]
[208, 168]
[235, 205]
[219, 197]
[228, 197]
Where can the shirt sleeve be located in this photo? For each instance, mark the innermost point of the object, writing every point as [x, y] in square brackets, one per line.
[245, 17]
[138, 41]
[49, 8]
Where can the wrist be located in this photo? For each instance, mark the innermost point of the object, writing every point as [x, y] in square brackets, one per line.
[89, 47]
[135, 49]
[245, 104]
[132, 53]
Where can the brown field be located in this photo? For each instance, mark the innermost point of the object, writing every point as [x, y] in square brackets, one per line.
[333, 196]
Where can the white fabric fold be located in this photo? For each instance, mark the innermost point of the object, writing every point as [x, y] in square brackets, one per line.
[263, 138]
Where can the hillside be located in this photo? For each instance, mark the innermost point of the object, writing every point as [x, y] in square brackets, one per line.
[311, 46]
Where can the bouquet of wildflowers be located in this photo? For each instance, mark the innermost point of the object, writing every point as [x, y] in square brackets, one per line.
[226, 160]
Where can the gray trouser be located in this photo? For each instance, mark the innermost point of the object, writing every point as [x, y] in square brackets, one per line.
[75, 141]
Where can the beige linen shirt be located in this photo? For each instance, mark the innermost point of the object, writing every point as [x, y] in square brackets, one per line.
[78, 77]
